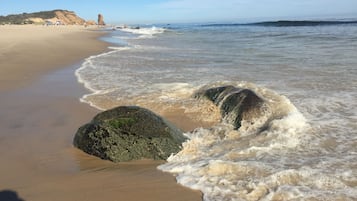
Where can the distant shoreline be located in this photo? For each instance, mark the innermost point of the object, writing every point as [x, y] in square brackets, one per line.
[287, 23]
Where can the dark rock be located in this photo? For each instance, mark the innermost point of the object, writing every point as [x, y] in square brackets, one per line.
[129, 133]
[234, 103]
[101, 20]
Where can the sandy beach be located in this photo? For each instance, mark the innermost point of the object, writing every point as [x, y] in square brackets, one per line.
[29, 51]
[40, 113]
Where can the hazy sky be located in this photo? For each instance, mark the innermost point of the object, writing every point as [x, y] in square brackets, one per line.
[168, 11]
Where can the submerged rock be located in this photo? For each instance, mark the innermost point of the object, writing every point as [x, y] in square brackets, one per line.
[234, 103]
[129, 133]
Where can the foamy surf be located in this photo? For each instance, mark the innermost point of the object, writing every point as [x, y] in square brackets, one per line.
[145, 32]
[269, 166]
[302, 146]
[226, 164]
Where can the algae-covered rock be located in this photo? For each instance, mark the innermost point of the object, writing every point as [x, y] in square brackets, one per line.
[129, 133]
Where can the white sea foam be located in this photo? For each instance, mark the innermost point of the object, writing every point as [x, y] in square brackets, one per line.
[145, 32]
[259, 167]
[87, 79]
[223, 163]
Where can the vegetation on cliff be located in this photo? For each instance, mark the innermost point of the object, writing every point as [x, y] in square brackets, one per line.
[43, 17]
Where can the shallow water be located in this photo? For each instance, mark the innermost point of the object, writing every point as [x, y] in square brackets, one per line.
[306, 75]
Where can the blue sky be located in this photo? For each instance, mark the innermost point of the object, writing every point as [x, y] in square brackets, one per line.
[170, 11]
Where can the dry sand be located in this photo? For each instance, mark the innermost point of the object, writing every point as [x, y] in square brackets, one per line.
[29, 51]
[39, 114]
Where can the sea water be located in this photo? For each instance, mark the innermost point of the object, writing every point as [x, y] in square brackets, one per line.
[307, 76]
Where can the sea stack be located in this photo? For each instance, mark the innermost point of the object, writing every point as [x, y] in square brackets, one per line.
[100, 19]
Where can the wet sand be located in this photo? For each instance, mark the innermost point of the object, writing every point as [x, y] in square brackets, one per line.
[39, 115]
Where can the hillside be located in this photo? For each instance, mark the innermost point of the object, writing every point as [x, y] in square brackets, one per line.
[44, 17]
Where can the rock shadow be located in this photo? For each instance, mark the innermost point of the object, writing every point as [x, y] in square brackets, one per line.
[9, 195]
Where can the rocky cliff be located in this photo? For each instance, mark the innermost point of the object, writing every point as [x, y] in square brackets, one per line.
[63, 17]
[67, 17]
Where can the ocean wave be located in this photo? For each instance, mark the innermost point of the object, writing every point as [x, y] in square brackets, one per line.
[225, 162]
[145, 32]
[86, 75]
[250, 163]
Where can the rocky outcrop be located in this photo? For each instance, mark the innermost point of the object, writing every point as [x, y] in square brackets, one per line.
[68, 18]
[90, 22]
[63, 17]
[235, 103]
[101, 20]
[35, 20]
[129, 133]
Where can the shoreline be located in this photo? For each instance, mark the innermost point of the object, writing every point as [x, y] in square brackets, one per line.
[30, 51]
[41, 112]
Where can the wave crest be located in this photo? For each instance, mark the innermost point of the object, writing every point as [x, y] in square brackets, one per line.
[145, 32]
[226, 161]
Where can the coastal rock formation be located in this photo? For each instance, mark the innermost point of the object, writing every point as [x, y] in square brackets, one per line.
[101, 20]
[235, 103]
[63, 17]
[68, 17]
[34, 20]
[90, 22]
[129, 133]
